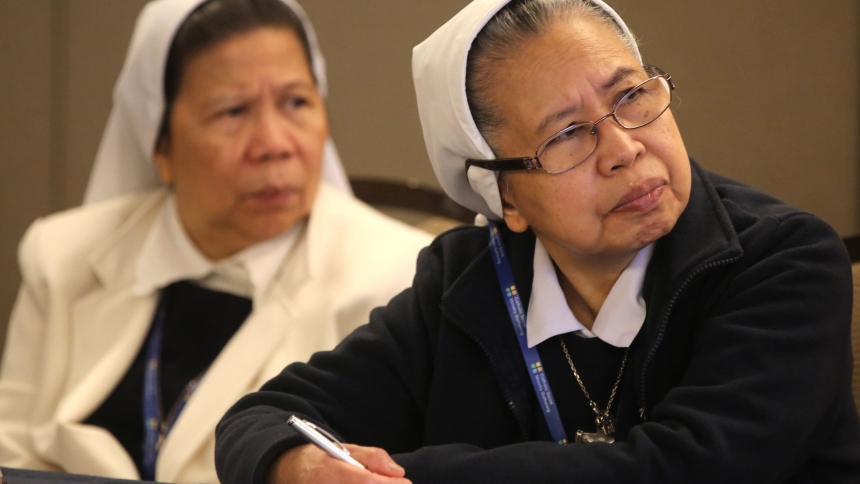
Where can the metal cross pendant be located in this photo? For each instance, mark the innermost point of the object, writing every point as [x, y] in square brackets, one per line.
[605, 432]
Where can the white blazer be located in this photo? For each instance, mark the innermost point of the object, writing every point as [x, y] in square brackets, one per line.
[76, 328]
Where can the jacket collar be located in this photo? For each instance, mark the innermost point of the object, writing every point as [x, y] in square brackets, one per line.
[474, 302]
[328, 206]
[169, 255]
[110, 260]
[703, 235]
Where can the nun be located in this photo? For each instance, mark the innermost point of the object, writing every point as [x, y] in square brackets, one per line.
[625, 317]
[218, 243]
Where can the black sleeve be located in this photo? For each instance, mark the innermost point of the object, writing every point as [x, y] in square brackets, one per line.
[371, 388]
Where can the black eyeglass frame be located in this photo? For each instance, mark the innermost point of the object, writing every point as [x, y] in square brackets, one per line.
[533, 163]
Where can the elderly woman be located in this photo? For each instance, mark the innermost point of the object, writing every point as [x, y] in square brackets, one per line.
[633, 319]
[143, 317]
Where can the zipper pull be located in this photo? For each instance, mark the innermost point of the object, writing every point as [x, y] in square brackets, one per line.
[642, 414]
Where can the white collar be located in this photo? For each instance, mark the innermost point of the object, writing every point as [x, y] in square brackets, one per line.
[169, 255]
[617, 322]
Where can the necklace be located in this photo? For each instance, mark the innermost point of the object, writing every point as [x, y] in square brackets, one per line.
[605, 425]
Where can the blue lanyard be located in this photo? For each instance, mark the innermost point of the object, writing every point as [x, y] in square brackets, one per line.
[518, 318]
[155, 428]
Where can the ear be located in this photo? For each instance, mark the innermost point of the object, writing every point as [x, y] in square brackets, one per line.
[513, 218]
[164, 162]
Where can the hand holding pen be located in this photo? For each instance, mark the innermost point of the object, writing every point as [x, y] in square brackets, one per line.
[311, 464]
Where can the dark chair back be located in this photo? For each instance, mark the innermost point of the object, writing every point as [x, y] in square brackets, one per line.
[853, 246]
[426, 208]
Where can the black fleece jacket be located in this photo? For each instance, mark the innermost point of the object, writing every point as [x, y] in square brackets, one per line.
[741, 372]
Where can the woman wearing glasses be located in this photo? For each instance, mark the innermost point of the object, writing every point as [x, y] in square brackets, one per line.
[627, 317]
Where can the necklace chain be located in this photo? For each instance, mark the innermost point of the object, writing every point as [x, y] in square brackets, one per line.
[603, 419]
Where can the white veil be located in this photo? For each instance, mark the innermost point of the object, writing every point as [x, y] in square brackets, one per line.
[124, 159]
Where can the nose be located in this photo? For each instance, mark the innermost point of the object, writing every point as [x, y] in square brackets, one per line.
[272, 137]
[617, 147]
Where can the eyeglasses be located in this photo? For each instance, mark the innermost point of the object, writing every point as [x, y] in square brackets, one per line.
[566, 149]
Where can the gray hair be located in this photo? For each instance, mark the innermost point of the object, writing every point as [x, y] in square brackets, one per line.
[515, 24]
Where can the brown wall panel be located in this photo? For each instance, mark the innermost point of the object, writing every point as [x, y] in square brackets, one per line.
[768, 93]
[25, 135]
[99, 33]
[368, 46]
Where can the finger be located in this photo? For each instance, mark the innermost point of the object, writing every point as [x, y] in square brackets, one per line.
[307, 464]
[343, 473]
[376, 460]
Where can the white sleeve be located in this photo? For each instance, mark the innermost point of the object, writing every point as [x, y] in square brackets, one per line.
[22, 360]
[390, 272]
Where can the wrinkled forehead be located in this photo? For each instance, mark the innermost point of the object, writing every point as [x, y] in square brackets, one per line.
[558, 72]
[565, 43]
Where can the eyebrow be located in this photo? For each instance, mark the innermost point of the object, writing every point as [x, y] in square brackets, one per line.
[619, 75]
[221, 100]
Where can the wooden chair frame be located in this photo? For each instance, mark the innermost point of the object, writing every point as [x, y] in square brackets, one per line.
[410, 196]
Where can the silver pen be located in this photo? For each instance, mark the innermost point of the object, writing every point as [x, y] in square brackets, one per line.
[323, 440]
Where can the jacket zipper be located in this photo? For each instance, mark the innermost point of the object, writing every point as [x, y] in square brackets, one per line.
[510, 401]
[643, 412]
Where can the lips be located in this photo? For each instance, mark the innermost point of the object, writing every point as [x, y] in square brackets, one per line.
[270, 191]
[641, 197]
[272, 196]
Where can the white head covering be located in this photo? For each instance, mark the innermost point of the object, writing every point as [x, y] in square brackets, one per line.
[439, 70]
[124, 160]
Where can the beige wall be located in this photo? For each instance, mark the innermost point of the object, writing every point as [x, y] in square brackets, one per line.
[25, 122]
[58, 63]
[769, 94]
